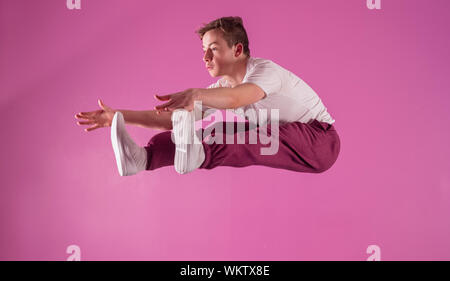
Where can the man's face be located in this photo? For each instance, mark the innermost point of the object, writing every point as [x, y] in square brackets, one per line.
[217, 54]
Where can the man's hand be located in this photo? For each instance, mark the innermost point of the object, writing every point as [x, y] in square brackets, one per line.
[99, 118]
[184, 99]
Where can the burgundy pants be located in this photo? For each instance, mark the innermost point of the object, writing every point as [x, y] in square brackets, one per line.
[308, 148]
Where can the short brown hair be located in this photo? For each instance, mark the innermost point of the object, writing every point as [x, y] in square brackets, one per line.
[233, 31]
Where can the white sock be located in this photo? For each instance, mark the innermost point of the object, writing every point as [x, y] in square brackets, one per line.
[189, 152]
[130, 158]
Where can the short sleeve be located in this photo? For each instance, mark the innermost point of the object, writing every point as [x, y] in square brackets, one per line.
[213, 85]
[265, 75]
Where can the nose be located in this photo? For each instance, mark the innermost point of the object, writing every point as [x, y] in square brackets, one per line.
[207, 56]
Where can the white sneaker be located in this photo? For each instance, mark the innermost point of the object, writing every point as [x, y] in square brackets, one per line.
[189, 152]
[130, 158]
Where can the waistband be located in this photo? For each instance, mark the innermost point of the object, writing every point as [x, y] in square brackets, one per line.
[324, 125]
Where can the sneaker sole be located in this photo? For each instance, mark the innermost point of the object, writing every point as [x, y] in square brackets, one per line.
[118, 152]
[182, 129]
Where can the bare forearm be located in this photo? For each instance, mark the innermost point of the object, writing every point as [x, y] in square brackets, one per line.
[220, 98]
[230, 98]
[148, 119]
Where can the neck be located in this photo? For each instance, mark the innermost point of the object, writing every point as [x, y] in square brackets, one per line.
[237, 72]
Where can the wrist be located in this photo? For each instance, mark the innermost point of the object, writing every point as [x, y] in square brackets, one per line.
[197, 94]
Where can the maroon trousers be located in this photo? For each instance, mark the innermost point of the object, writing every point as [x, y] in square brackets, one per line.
[303, 147]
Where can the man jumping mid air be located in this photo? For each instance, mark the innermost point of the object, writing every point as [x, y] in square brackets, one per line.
[306, 138]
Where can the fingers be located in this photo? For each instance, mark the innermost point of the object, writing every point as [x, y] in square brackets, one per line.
[100, 103]
[78, 116]
[173, 106]
[92, 128]
[85, 117]
[85, 122]
[88, 114]
[162, 98]
[164, 106]
[96, 126]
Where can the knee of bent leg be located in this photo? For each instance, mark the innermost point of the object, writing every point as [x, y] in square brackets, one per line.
[327, 163]
[322, 169]
[331, 155]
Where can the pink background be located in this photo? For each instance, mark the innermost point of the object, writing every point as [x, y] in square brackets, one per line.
[382, 74]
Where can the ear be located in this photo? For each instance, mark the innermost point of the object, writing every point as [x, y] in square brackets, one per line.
[240, 48]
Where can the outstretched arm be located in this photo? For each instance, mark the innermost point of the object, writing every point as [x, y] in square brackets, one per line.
[220, 98]
[143, 118]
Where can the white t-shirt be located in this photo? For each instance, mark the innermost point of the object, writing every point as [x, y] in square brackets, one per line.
[285, 91]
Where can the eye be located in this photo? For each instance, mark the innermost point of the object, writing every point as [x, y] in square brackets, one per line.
[211, 49]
